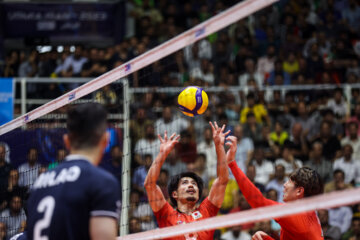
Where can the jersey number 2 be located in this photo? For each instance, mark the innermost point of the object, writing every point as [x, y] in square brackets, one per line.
[46, 206]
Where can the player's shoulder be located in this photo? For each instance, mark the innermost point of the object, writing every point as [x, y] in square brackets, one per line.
[77, 160]
[207, 209]
[167, 209]
[92, 173]
[74, 163]
[95, 177]
[206, 204]
[104, 174]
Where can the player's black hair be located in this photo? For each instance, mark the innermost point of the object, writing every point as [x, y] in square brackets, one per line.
[86, 123]
[309, 179]
[174, 184]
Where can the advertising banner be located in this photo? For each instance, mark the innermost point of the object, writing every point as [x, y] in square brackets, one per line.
[6, 100]
[59, 20]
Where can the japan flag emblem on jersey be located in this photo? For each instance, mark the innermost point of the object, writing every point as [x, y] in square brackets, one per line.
[196, 215]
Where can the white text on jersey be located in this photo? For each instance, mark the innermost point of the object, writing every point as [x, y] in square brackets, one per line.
[49, 179]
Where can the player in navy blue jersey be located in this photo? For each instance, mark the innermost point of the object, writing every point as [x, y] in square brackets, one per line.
[77, 200]
[19, 236]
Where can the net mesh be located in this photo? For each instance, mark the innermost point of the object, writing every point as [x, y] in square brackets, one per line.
[137, 114]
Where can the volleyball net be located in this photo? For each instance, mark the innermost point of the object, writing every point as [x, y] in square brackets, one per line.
[326, 201]
[139, 109]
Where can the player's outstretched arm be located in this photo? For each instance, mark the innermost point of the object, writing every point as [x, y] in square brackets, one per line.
[253, 196]
[103, 228]
[217, 192]
[154, 193]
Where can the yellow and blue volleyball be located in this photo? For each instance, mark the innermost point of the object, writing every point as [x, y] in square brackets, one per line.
[193, 101]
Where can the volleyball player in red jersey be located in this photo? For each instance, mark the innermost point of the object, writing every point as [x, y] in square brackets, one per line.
[185, 189]
[303, 182]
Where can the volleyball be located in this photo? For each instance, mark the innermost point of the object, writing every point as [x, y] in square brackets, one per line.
[193, 101]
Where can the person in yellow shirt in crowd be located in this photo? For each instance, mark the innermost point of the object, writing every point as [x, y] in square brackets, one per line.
[291, 64]
[279, 136]
[231, 192]
[259, 110]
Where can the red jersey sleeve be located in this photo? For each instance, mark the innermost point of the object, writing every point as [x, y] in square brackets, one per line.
[208, 209]
[292, 223]
[164, 215]
[252, 194]
[300, 223]
[297, 227]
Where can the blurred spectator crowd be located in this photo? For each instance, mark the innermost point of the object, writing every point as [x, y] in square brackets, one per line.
[291, 42]
[294, 42]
